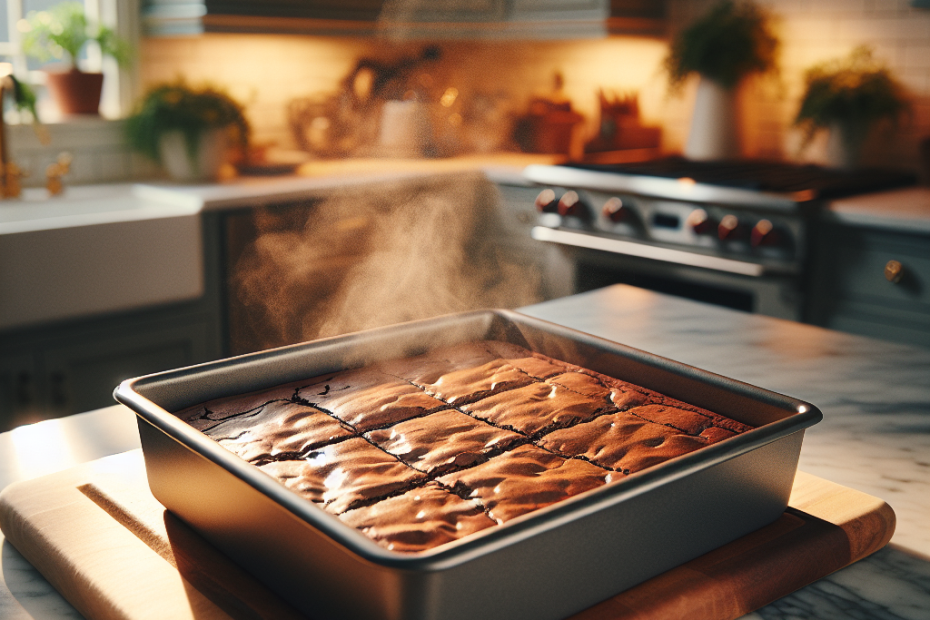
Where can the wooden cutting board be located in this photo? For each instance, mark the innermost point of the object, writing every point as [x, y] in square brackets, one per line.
[97, 534]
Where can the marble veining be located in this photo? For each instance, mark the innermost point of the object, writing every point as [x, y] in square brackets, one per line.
[875, 437]
[25, 594]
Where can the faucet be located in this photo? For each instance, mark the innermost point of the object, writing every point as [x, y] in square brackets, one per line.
[10, 174]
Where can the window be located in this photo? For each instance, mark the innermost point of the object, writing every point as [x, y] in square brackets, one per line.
[119, 83]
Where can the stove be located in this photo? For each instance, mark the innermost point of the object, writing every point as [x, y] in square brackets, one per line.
[736, 233]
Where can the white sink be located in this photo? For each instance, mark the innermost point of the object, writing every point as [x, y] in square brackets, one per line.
[92, 251]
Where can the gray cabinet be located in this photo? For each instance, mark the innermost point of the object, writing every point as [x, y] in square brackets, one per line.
[18, 390]
[428, 19]
[57, 369]
[850, 291]
[71, 368]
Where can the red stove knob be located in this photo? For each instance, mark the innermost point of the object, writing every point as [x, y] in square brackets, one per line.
[571, 205]
[764, 234]
[615, 211]
[699, 222]
[546, 202]
[729, 228]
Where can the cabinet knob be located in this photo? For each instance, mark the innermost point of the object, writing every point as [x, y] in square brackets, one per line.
[894, 271]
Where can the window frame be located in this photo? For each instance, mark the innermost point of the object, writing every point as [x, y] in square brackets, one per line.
[121, 84]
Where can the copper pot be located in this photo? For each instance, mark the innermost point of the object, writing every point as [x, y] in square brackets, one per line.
[76, 92]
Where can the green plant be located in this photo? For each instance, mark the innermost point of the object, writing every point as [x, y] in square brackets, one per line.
[856, 91]
[63, 31]
[179, 107]
[731, 41]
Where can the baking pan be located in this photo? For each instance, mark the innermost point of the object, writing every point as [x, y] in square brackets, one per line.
[550, 563]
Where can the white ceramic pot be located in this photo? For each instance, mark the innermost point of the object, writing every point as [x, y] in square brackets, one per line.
[405, 129]
[204, 165]
[716, 131]
[844, 144]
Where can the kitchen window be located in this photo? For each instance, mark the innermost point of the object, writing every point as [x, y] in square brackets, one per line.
[119, 83]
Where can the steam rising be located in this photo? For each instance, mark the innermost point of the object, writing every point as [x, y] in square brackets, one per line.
[385, 254]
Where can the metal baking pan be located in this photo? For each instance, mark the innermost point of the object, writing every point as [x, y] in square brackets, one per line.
[550, 563]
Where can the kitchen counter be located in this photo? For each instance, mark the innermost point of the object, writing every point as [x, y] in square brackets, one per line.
[875, 436]
[902, 210]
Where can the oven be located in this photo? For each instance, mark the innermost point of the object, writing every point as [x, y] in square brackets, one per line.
[736, 234]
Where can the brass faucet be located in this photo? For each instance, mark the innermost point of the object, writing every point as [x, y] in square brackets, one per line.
[10, 173]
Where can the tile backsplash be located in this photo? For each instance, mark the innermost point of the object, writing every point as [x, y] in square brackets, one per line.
[266, 72]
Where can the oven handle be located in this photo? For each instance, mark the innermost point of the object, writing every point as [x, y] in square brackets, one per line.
[628, 248]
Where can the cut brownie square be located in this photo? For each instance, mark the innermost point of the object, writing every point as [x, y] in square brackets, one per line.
[419, 519]
[344, 475]
[444, 441]
[537, 407]
[687, 418]
[460, 374]
[220, 409]
[279, 429]
[621, 394]
[368, 399]
[533, 364]
[630, 443]
[525, 479]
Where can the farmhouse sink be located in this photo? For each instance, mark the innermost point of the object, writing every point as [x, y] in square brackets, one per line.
[92, 251]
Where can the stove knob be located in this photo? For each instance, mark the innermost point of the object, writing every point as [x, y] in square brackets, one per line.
[764, 233]
[546, 202]
[617, 212]
[572, 205]
[730, 228]
[699, 222]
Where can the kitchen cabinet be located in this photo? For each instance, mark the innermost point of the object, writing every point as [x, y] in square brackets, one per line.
[71, 368]
[17, 384]
[640, 17]
[857, 286]
[75, 368]
[65, 367]
[484, 19]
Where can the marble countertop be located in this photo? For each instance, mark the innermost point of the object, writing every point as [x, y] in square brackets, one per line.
[875, 437]
[905, 210]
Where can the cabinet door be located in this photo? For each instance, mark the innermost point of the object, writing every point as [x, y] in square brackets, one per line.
[18, 389]
[852, 293]
[82, 374]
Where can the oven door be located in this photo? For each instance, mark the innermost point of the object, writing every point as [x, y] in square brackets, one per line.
[599, 260]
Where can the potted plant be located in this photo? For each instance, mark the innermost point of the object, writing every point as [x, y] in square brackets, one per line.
[188, 130]
[731, 41]
[61, 33]
[848, 97]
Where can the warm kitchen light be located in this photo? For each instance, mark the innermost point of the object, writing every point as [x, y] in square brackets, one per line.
[448, 98]
[6, 68]
[687, 181]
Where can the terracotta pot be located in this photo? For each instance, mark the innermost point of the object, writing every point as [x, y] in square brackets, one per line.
[716, 131]
[76, 92]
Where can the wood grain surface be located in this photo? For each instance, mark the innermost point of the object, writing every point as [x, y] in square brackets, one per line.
[100, 538]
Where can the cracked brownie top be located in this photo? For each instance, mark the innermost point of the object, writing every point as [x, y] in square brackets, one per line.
[422, 451]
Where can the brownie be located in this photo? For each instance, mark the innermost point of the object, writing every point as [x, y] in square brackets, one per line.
[531, 408]
[525, 479]
[443, 441]
[629, 442]
[419, 519]
[424, 451]
[368, 398]
[344, 475]
[279, 429]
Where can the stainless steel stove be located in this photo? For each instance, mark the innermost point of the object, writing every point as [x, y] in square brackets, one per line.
[733, 233]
